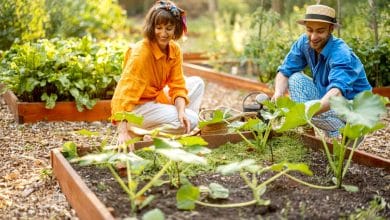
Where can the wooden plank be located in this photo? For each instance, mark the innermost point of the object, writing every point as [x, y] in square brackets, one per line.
[228, 80]
[213, 140]
[383, 91]
[80, 197]
[12, 102]
[359, 157]
[63, 111]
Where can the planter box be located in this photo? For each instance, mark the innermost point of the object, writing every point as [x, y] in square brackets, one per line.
[30, 112]
[88, 206]
[225, 79]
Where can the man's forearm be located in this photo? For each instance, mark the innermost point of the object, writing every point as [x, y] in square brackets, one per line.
[281, 84]
[325, 105]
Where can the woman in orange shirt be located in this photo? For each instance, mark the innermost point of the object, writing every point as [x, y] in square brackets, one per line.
[152, 82]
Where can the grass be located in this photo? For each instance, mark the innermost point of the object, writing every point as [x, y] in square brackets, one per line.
[287, 147]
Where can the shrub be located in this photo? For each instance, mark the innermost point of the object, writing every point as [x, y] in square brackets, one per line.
[80, 70]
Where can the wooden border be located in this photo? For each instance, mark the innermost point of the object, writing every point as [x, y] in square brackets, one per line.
[30, 112]
[88, 206]
[360, 157]
[225, 79]
[81, 198]
[383, 91]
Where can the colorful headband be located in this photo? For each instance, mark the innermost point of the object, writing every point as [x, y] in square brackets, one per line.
[177, 12]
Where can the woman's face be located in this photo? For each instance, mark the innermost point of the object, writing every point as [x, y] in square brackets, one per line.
[163, 34]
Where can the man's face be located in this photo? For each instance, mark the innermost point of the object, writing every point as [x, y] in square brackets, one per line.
[318, 34]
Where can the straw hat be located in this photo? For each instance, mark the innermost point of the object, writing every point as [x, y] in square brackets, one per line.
[320, 13]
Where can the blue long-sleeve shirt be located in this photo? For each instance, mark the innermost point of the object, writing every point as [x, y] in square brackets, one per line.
[337, 66]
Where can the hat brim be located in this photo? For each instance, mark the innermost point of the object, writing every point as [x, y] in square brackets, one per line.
[302, 22]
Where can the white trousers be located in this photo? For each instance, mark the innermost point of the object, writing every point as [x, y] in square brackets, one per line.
[157, 114]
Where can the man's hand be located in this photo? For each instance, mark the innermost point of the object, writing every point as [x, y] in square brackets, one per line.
[281, 84]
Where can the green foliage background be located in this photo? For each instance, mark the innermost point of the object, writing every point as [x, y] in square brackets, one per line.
[27, 20]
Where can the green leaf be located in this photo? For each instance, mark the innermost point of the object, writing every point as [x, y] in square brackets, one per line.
[235, 166]
[350, 188]
[293, 118]
[192, 140]
[186, 197]
[87, 133]
[301, 167]
[217, 191]
[69, 150]
[129, 117]
[162, 143]
[154, 214]
[176, 154]
[218, 117]
[365, 109]
[146, 202]
[196, 149]
[254, 125]
[50, 100]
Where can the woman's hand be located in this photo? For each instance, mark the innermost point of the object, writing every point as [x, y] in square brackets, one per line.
[180, 106]
[124, 135]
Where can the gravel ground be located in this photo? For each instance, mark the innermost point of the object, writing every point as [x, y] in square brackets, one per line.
[27, 188]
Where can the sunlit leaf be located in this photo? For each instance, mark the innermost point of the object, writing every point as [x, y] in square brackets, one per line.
[161, 143]
[129, 117]
[217, 191]
[87, 133]
[69, 150]
[177, 154]
[186, 197]
[192, 140]
[235, 166]
[154, 214]
[350, 188]
[365, 109]
[218, 117]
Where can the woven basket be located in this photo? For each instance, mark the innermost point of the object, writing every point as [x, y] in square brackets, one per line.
[222, 127]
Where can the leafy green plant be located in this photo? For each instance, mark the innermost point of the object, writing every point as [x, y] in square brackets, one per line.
[80, 70]
[112, 156]
[188, 195]
[361, 115]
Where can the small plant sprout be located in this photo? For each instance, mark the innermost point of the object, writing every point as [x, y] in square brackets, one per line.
[188, 195]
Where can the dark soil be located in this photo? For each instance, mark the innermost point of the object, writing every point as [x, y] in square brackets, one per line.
[288, 199]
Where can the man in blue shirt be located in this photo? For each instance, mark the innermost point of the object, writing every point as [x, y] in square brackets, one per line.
[336, 70]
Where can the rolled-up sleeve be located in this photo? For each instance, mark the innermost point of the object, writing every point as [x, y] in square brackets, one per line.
[341, 75]
[130, 87]
[295, 60]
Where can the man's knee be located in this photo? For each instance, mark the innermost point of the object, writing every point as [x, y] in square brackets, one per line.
[295, 79]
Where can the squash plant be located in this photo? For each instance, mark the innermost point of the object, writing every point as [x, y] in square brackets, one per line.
[80, 70]
[112, 156]
[188, 195]
[362, 116]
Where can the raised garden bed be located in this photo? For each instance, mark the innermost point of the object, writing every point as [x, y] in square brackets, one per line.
[30, 112]
[95, 195]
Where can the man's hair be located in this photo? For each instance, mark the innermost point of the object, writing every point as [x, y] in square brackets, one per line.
[158, 15]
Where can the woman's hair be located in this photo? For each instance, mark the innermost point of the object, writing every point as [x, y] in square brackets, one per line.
[164, 12]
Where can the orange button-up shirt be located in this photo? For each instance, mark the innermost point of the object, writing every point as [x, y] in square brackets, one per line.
[146, 71]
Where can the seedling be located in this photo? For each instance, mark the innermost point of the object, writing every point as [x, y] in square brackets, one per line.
[111, 156]
[188, 195]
